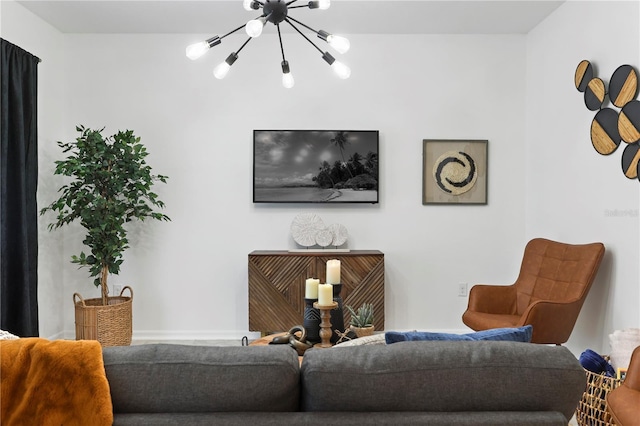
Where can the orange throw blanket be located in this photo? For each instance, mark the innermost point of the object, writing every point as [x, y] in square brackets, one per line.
[53, 382]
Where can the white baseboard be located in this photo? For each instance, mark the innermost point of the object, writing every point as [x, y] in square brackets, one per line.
[161, 335]
[193, 335]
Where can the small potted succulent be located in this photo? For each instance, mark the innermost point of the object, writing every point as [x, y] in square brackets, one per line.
[362, 319]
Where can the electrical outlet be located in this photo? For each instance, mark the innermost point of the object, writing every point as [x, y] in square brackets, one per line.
[462, 289]
[117, 289]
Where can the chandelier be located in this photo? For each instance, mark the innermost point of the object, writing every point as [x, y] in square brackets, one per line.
[276, 12]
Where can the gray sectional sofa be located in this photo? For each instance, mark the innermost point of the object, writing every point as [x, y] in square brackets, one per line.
[408, 383]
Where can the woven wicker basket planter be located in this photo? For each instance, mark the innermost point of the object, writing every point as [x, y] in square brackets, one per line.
[592, 408]
[108, 324]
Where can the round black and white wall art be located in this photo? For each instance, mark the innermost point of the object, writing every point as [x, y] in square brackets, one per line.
[454, 172]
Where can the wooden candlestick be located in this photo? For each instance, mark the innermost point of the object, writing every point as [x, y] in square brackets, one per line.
[325, 324]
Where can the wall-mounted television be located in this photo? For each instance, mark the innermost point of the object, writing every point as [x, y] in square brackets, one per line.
[315, 166]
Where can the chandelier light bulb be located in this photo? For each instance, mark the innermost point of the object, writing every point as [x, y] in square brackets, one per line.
[248, 5]
[339, 43]
[254, 27]
[221, 70]
[320, 4]
[341, 69]
[287, 80]
[196, 50]
[287, 77]
[338, 67]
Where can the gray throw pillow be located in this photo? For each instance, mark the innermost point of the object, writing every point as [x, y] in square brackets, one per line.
[375, 339]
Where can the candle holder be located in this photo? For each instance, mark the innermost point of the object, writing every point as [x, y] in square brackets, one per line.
[337, 315]
[325, 324]
[311, 320]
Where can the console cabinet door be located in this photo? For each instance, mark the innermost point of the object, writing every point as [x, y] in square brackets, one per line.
[277, 285]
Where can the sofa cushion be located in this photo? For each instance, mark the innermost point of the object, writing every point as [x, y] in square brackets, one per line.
[511, 334]
[163, 378]
[443, 377]
[395, 418]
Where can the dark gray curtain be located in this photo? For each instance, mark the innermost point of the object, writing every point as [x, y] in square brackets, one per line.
[18, 183]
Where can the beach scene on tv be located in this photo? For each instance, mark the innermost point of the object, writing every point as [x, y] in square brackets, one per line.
[293, 166]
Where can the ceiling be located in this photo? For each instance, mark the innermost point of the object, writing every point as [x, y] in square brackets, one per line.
[343, 17]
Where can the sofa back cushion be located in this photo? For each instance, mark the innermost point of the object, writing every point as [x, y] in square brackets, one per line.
[442, 376]
[162, 378]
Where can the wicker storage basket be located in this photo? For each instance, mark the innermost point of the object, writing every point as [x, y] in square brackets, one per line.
[108, 324]
[592, 408]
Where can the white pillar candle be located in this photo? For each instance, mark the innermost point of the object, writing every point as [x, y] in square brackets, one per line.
[311, 288]
[325, 294]
[333, 271]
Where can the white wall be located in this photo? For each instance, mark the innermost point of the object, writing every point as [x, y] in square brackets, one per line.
[24, 29]
[190, 275]
[571, 189]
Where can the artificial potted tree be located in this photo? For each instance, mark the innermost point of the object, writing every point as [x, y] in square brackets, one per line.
[111, 185]
[362, 320]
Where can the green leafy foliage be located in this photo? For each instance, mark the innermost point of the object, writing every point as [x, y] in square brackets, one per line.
[363, 317]
[111, 185]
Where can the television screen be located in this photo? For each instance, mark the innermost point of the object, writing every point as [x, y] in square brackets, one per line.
[315, 166]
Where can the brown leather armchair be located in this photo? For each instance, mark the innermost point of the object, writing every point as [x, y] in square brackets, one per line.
[554, 281]
[624, 401]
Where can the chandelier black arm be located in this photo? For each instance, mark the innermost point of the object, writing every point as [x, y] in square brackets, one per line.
[302, 34]
[280, 37]
[243, 45]
[293, 1]
[231, 32]
[303, 24]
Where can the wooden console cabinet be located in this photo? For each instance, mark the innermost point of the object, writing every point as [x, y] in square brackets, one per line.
[277, 285]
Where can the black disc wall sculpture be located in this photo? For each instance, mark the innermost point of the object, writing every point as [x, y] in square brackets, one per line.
[584, 74]
[629, 122]
[623, 86]
[604, 131]
[630, 157]
[594, 94]
[609, 127]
